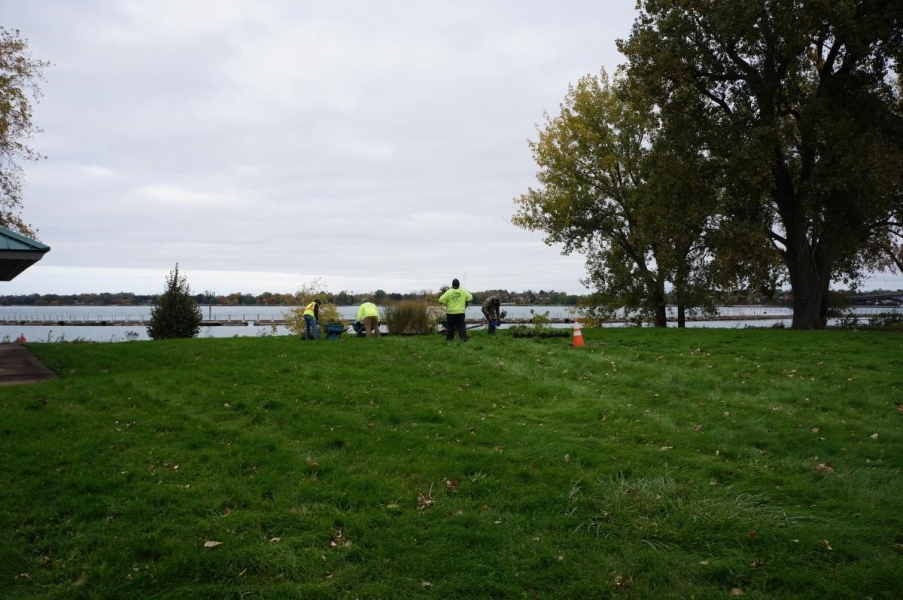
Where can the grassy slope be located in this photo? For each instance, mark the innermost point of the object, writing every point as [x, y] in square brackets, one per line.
[646, 464]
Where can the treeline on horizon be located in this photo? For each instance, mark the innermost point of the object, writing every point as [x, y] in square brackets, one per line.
[345, 298]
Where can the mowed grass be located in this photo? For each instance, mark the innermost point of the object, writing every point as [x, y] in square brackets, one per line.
[647, 464]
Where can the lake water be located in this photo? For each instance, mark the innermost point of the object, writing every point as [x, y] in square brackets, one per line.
[138, 317]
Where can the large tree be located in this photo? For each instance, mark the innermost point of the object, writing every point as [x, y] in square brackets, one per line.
[799, 100]
[19, 74]
[636, 207]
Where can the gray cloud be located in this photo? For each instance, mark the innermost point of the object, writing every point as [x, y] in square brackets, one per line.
[265, 144]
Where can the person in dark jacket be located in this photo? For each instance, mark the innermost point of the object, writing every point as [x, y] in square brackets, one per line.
[490, 308]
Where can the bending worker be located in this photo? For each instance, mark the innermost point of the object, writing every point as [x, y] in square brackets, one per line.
[369, 314]
[455, 300]
[311, 316]
[491, 307]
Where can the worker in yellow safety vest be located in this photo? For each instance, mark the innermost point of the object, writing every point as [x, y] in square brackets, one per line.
[368, 313]
[311, 316]
[455, 300]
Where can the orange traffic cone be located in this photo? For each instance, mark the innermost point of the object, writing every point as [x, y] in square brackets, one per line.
[578, 335]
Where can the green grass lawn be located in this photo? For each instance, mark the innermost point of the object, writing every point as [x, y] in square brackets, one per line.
[647, 464]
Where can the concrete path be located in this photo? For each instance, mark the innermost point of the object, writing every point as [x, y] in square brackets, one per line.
[19, 366]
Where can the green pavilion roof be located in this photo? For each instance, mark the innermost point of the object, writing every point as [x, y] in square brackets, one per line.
[17, 253]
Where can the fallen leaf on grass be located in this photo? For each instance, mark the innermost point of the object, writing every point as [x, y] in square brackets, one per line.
[825, 545]
[753, 534]
[275, 540]
[815, 430]
[697, 427]
[874, 436]
[757, 563]
[622, 581]
[338, 539]
[211, 544]
[567, 458]
[824, 468]
[451, 485]
[425, 500]
[736, 592]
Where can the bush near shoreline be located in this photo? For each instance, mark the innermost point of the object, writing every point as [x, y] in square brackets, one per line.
[647, 464]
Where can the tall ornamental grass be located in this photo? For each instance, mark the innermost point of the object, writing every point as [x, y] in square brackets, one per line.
[411, 317]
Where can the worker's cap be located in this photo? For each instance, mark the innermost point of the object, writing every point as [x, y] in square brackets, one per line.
[318, 301]
[456, 283]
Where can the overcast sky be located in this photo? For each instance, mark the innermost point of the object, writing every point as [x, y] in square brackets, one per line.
[262, 144]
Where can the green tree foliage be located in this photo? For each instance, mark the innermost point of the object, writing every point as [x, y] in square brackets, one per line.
[19, 74]
[176, 314]
[613, 191]
[799, 103]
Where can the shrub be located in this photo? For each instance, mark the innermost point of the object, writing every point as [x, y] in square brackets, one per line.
[889, 321]
[539, 320]
[411, 316]
[294, 318]
[846, 319]
[176, 314]
[547, 332]
[328, 313]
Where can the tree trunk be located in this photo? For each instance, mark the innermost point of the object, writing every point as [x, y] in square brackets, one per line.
[660, 309]
[807, 256]
[810, 278]
[681, 315]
